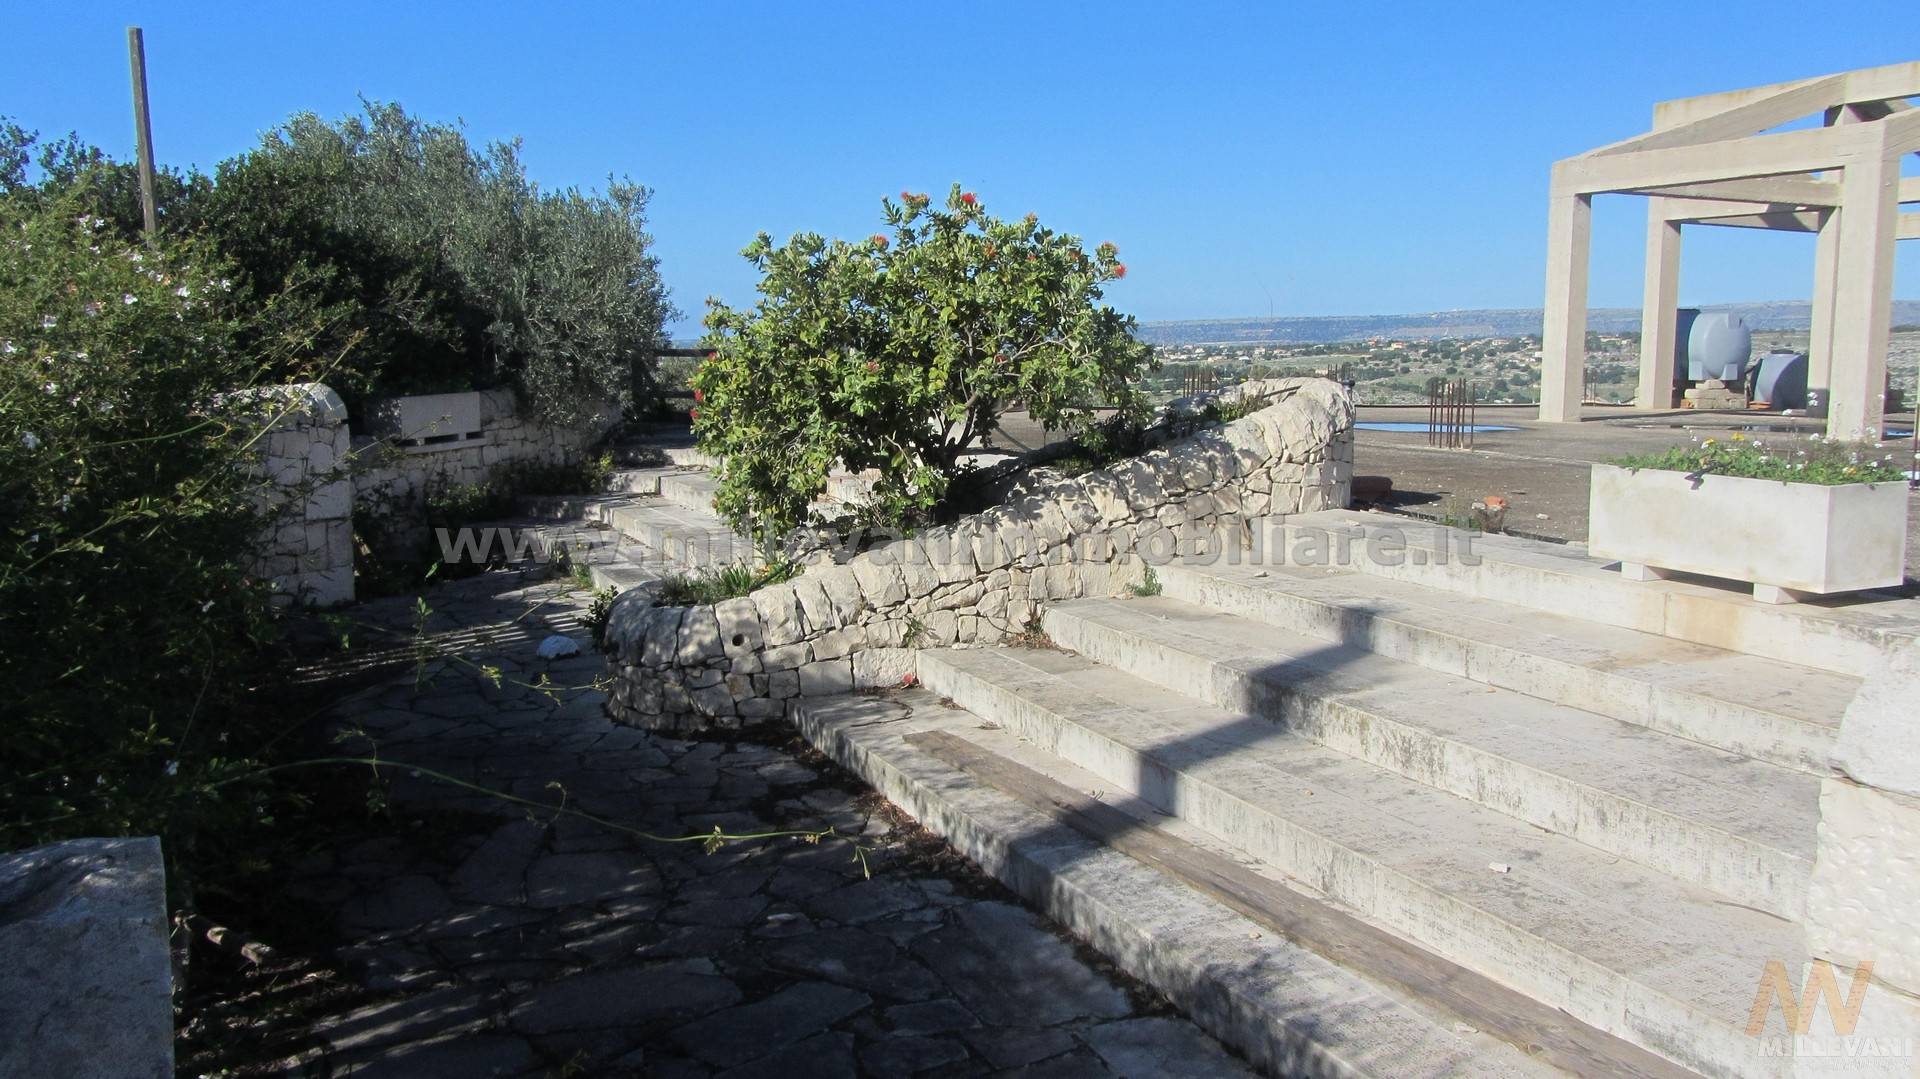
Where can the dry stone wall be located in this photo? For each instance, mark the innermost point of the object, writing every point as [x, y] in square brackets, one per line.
[856, 622]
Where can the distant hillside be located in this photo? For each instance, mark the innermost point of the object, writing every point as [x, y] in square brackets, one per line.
[1484, 323]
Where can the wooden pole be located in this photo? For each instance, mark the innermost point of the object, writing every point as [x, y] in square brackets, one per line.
[142, 126]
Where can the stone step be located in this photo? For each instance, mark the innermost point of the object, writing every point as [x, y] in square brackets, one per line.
[1289, 1008]
[1739, 826]
[690, 490]
[1632, 951]
[1846, 634]
[1778, 712]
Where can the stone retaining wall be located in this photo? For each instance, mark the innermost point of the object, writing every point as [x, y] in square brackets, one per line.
[856, 621]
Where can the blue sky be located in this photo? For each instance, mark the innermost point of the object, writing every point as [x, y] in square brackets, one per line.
[1246, 158]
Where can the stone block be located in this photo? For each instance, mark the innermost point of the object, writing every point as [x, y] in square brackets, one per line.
[699, 638]
[783, 684]
[1866, 882]
[843, 589]
[815, 604]
[786, 657]
[760, 708]
[826, 677]
[739, 626]
[86, 989]
[880, 582]
[780, 618]
[713, 701]
[661, 638]
[839, 642]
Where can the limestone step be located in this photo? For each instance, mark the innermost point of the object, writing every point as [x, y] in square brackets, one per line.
[1742, 827]
[1846, 634]
[1286, 1005]
[1632, 951]
[690, 489]
[1778, 712]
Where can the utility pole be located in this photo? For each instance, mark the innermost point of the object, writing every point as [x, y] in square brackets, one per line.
[142, 126]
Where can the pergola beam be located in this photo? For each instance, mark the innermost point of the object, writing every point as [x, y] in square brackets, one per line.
[1776, 190]
[1733, 159]
[1746, 119]
[1865, 85]
[1773, 220]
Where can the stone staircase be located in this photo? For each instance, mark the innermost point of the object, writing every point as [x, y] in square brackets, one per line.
[651, 523]
[1593, 800]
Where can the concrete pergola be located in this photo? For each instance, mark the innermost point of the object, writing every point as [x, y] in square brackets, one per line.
[1706, 162]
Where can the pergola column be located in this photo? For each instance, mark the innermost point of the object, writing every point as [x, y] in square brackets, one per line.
[1563, 338]
[1659, 308]
[1863, 293]
[1826, 264]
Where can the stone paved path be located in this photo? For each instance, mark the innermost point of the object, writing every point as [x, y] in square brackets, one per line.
[491, 939]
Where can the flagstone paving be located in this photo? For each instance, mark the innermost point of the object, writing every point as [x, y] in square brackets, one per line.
[500, 939]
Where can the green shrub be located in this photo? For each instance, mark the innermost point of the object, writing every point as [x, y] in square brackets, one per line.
[897, 352]
[129, 619]
[1787, 458]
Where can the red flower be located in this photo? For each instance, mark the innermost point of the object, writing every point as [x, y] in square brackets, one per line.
[1119, 269]
[906, 196]
[992, 251]
[693, 413]
[878, 240]
[970, 198]
[999, 357]
[713, 355]
[698, 396]
[872, 366]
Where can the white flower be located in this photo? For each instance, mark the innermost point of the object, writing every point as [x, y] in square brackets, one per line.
[7, 349]
[129, 299]
[48, 322]
[173, 768]
[183, 291]
[30, 440]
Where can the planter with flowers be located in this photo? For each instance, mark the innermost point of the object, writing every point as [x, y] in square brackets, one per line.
[1794, 517]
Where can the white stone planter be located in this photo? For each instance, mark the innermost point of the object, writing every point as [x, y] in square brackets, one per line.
[1788, 539]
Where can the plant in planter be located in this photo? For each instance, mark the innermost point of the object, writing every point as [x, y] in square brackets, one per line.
[1793, 516]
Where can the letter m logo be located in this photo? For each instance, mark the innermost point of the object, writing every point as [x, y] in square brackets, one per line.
[1776, 983]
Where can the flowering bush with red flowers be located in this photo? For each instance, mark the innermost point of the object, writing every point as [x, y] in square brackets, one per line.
[898, 356]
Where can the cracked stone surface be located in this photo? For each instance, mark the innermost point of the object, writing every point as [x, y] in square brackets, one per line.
[501, 938]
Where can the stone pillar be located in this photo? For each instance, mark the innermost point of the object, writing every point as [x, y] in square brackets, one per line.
[1563, 340]
[1826, 267]
[1865, 887]
[1658, 308]
[307, 545]
[1863, 292]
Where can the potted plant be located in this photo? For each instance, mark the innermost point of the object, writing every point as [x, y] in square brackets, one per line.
[1795, 517]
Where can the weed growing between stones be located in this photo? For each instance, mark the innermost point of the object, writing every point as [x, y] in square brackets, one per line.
[1149, 584]
[725, 582]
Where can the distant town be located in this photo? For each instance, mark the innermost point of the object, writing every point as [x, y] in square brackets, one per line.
[1481, 346]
